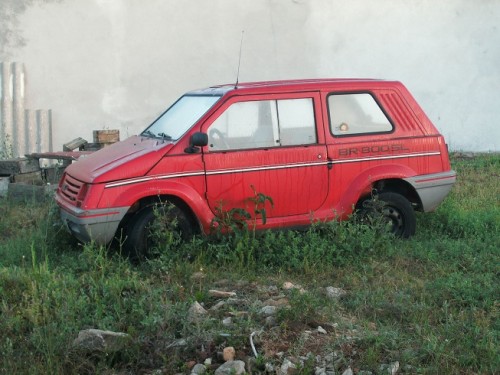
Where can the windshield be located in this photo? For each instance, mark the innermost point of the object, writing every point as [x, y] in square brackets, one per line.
[173, 123]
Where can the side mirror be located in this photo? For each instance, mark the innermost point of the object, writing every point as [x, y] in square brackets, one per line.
[197, 140]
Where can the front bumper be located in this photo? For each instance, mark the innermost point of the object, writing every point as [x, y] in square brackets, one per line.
[433, 188]
[98, 225]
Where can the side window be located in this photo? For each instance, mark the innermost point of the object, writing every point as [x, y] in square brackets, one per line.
[356, 114]
[296, 122]
[263, 124]
[245, 125]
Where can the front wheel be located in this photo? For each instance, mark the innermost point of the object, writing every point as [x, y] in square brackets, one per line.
[396, 210]
[155, 228]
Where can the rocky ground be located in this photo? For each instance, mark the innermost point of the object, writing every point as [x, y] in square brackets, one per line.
[248, 328]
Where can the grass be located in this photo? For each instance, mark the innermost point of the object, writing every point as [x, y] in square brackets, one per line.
[430, 302]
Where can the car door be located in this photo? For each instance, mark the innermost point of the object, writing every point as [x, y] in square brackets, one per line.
[270, 145]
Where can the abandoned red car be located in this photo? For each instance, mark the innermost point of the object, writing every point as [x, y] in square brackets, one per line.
[318, 148]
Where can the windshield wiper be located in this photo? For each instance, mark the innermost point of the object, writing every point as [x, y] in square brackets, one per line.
[165, 136]
[149, 133]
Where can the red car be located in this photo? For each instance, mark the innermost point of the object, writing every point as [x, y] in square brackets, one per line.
[318, 148]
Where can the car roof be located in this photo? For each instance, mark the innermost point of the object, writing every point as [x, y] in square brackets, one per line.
[297, 85]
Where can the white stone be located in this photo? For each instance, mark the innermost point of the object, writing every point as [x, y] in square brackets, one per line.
[196, 312]
[268, 310]
[231, 368]
[334, 293]
[98, 340]
[287, 367]
[221, 294]
[394, 367]
[269, 368]
[198, 369]
[391, 369]
[287, 285]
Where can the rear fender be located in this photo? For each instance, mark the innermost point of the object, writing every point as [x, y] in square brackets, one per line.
[364, 183]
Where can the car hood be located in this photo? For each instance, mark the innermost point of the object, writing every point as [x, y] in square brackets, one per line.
[131, 158]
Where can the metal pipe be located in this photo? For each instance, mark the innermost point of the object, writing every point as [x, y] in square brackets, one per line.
[6, 111]
[19, 133]
[33, 138]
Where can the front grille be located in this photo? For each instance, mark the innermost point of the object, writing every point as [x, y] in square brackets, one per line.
[71, 189]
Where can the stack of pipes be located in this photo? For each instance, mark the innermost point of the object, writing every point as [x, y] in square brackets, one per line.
[22, 131]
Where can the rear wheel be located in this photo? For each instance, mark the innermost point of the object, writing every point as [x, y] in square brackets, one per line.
[155, 228]
[396, 211]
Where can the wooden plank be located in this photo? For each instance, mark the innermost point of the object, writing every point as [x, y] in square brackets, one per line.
[61, 155]
[91, 147]
[18, 165]
[74, 144]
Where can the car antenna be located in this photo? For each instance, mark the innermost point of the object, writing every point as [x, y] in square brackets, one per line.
[239, 61]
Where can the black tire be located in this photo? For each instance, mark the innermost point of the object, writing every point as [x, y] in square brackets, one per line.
[396, 210]
[144, 227]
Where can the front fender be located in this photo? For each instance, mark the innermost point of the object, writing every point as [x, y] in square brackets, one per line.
[115, 195]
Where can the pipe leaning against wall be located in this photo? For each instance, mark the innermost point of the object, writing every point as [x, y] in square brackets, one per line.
[19, 131]
[6, 111]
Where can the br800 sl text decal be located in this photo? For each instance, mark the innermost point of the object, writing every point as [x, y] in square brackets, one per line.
[371, 149]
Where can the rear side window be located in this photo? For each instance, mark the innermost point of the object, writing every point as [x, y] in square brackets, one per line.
[264, 124]
[356, 114]
[296, 122]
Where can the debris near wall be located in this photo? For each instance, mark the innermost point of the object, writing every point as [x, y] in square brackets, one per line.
[106, 137]
[74, 144]
[24, 177]
[18, 166]
[102, 138]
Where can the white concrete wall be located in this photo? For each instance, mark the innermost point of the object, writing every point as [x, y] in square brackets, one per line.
[105, 64]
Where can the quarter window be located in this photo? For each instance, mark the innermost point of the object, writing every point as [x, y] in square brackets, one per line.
[264, 124]
[356, 114]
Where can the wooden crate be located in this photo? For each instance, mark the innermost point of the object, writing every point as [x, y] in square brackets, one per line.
[106, 136]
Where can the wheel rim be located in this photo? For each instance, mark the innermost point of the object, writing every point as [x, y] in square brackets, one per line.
[395, 219]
